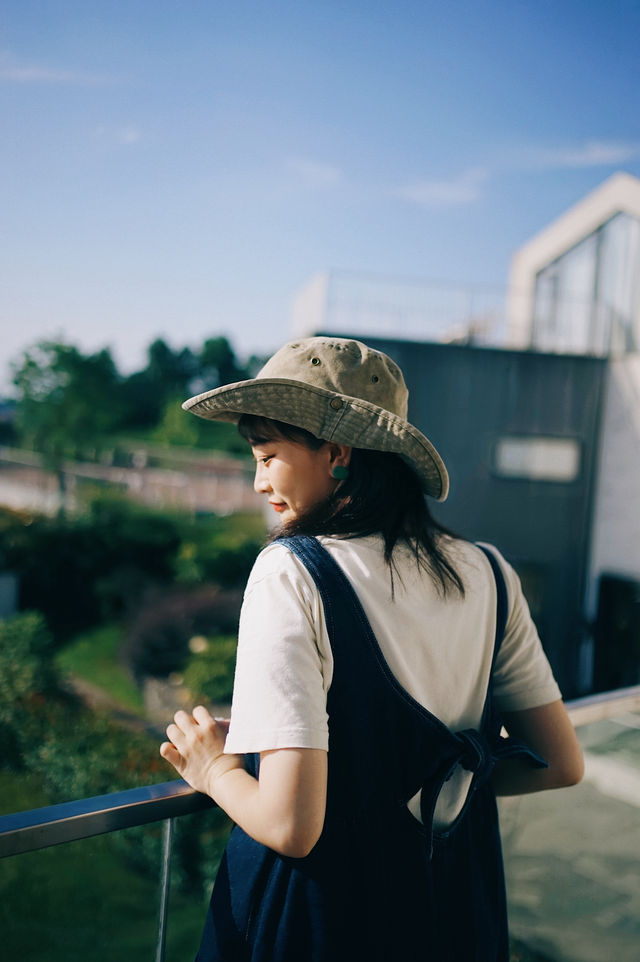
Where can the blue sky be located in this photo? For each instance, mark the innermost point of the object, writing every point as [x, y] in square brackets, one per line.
[182, 168]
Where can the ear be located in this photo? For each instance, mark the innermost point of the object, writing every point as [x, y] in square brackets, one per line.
[339, 454]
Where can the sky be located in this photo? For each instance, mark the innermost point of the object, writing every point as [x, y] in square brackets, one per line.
[181, 169]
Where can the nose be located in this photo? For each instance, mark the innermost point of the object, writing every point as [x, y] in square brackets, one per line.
[261, 481]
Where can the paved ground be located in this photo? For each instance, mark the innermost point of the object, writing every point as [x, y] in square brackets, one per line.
[573, 856]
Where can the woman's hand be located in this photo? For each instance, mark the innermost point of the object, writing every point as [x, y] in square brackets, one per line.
[283, 810]
[195, 749]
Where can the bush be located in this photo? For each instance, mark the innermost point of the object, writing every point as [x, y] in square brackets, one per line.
[79, 754]
[220, 550]
[27, 676]
[26, 661]
[158, 639]
[209, 674]
[82, 571]
[45, 730]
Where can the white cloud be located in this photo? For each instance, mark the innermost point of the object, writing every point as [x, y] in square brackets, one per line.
[118, 135]
[128, 135]
[463, 189]
[13, 70]
[593, 153]
[467, 187]
[315, 174]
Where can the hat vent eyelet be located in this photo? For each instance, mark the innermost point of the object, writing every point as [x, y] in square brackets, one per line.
[315, 360]
[375, 378]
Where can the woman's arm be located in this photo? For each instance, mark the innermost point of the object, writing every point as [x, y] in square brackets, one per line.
[283, 809]
[548, 731]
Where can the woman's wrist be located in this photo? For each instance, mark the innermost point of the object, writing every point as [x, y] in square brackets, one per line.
[218, 770]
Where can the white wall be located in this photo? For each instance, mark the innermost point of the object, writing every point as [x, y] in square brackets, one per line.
[616, 528]
[309, 308]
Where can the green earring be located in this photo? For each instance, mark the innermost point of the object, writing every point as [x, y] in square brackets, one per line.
[340, 472]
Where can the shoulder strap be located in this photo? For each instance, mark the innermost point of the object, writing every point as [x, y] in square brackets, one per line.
[502, 607]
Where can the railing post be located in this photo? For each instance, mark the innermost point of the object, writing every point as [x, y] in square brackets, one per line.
[165, 883]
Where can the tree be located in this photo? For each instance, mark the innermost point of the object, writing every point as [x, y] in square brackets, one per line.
[218, 364]
[67, 401]
[213, 365]
[167, 375]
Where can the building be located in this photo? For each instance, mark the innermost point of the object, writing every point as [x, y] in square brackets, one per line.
[535, 407]
[575, 286]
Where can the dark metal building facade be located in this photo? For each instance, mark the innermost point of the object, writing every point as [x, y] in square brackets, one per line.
[505, 422]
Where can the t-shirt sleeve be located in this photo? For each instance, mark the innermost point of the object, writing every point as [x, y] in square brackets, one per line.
[279, 693]
[522, 676]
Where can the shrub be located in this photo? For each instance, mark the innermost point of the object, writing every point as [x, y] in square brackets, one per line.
[46, 730]
[81, 571]
[27, 677]
[209, 674]
[219, 550]
[158, 639]
[95, 568]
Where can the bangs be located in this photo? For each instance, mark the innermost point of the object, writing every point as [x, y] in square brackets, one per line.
[257, 430]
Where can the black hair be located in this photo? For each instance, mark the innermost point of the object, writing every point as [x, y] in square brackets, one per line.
[382, 495]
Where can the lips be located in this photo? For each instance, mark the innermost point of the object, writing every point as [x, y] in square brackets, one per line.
[278, 505]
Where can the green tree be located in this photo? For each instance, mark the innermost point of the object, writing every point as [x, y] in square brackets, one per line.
[179, 427]
[215, 364]
[218, 364]
[67, 401]
[167, 375]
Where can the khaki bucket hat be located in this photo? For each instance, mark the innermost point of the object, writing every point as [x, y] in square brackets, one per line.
[339, 390]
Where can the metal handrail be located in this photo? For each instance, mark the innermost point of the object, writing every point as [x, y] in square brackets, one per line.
[55, 824]
[70, 821]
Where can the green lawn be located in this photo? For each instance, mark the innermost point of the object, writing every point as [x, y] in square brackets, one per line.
[94, 656]
[81, 901]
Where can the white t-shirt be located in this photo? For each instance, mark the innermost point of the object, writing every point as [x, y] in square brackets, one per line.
[439, 649]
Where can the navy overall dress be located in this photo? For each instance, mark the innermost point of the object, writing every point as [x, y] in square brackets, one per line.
[379, 886]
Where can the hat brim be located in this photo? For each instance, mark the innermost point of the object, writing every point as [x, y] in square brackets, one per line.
[330, 416]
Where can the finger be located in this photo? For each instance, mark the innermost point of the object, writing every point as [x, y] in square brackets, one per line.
[171, 754]
[223, 723]
[183, 720]
[177, 737]
[203, 717]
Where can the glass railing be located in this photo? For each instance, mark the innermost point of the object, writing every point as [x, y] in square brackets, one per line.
[571, 859]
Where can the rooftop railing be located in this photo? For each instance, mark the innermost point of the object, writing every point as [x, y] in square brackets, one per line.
[70, 821]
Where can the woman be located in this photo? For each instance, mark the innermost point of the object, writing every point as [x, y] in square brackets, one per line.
[375, 650]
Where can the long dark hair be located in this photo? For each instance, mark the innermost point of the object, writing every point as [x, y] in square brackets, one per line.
[382, 495]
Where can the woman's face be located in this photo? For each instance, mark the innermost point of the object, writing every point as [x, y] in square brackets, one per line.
[294, 477]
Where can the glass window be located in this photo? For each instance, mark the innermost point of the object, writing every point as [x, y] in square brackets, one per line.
[588, 300]
[537, 458]
[619, 283]
[564, 318]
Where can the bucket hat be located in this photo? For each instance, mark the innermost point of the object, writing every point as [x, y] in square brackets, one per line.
[339, 390]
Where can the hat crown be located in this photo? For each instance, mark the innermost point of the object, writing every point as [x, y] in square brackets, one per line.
[344, 366]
